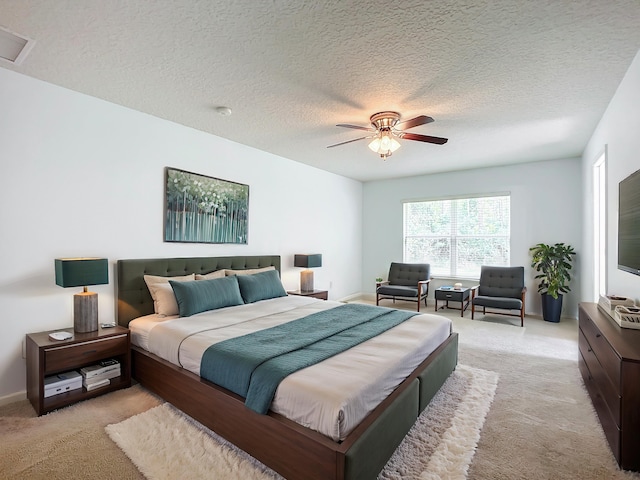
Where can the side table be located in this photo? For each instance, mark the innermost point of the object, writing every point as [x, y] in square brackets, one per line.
[453, 295]
[47, 357]
[321, 294]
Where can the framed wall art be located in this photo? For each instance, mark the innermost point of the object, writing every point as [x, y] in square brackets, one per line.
[202, 209]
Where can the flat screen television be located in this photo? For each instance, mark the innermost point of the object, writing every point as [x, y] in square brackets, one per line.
[629, 224]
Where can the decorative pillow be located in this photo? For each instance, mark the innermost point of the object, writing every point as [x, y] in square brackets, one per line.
[164, 301]
[249, 271]
[210, 275]
[203, 295]
[261, 286]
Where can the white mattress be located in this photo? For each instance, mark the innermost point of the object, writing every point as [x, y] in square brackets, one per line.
[331, 397]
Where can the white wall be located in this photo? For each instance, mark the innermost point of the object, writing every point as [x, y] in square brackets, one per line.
[83, 177]
[619, 130]
[546, 207]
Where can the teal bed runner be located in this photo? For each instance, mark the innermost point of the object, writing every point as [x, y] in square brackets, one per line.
[254, 365]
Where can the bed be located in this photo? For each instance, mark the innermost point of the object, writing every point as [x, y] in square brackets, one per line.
[293, 450]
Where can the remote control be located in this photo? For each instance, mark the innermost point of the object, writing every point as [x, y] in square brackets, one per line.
[108, 325]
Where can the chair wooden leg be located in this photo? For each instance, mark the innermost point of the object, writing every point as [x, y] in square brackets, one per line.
[473, 310]
[377, 299]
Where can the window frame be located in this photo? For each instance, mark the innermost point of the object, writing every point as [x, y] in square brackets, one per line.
[453, 267]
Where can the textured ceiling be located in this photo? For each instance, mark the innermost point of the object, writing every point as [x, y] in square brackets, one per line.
[506, 81]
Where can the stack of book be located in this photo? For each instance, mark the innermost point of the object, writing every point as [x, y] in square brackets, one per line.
[100, 375]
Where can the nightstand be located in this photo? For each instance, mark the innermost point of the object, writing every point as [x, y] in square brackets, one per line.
[321, 294]
[47, 357]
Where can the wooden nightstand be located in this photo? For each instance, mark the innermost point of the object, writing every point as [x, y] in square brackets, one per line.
[47, 357]
[321, 294]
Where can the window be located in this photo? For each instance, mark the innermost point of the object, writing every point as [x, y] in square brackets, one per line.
[600, 226]
[457, 236]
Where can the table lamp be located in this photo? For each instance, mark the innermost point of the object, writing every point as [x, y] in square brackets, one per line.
[81, 272]
[306, 276]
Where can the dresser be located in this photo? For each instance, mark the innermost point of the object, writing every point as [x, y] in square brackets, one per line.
[609, 361]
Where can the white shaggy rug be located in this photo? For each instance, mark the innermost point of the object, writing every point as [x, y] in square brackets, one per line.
[166, 444]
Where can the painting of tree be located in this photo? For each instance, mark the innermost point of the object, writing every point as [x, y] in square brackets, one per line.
[201, 209]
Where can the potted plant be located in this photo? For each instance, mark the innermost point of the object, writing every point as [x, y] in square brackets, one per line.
[552, 262]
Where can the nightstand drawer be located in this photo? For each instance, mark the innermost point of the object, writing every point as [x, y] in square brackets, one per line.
[72, 356]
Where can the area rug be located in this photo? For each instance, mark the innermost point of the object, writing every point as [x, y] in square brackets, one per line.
[166, 444]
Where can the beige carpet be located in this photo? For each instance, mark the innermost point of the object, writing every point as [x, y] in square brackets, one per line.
[70, 443]
[165, 444]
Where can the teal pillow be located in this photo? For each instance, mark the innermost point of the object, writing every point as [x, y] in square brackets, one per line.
[260, 286]
[202, 295]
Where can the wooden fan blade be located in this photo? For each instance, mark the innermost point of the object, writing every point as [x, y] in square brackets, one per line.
[357, 127]
[424, 138]
[414, 122]
[348, 141]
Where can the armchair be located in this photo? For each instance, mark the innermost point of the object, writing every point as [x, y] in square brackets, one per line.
[501, 288]
[406, 281]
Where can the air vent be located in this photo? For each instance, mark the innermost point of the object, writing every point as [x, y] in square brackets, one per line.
[13, 47]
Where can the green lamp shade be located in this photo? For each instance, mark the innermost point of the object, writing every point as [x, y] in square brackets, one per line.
[80, 272]
[307, 261]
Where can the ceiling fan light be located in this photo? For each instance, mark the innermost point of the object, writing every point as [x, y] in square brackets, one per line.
[384, 144]
[375, 145]
[394, 145]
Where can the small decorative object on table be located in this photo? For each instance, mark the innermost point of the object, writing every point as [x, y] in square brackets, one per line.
[457, 286]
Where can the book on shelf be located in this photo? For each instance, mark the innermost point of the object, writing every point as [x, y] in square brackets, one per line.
[101, 368]
[102, 376]
[93, 385]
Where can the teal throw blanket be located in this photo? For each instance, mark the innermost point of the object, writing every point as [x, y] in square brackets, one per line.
[254, 365]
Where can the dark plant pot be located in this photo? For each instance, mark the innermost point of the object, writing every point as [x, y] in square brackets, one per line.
[551, 308]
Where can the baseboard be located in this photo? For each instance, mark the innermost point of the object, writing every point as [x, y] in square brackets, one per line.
[357, 296]
[14, 397]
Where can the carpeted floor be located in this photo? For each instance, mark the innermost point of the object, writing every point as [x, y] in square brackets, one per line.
[541, 424]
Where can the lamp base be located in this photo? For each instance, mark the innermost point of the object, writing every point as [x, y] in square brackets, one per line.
[306, 281]
[85, 312]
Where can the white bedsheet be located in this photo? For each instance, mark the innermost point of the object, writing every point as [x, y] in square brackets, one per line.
[331, 397]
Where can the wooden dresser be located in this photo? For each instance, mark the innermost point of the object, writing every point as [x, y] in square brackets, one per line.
[609, 361]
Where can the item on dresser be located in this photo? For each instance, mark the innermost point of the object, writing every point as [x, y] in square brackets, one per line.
[627, 317]
[61, 383]
[609, 303]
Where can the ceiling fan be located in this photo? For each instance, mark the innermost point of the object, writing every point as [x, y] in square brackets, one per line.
[386, 127]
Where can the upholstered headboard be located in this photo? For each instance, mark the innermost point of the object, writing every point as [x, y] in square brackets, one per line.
[134, 299]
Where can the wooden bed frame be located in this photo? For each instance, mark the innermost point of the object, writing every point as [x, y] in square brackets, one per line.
[288, 448]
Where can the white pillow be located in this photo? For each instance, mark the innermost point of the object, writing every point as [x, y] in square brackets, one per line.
[210, 275]
[164, 300]
[249, 271]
